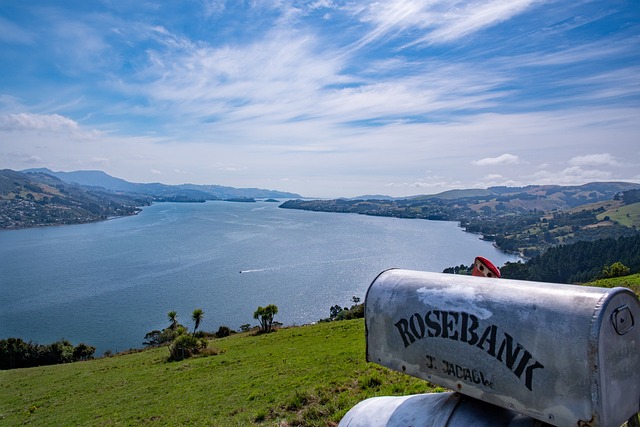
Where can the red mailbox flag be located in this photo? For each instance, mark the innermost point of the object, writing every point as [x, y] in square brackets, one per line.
[484, 267]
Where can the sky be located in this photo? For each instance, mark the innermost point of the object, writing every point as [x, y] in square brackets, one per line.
[324, 98]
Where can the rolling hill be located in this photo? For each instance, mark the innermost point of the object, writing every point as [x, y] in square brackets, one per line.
[185, 191]
[35, 199]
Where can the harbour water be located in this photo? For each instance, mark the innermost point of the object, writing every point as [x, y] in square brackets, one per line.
[109, 283]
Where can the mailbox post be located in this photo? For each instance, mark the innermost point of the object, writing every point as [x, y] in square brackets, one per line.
[526, 352]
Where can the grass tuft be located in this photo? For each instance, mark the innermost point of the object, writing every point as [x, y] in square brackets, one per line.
[370, 381]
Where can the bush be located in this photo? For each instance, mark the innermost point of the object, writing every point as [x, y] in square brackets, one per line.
[617, 269]
[157, 338]
[355, 312]
[186, 346]
[83, 352]
[223, 331]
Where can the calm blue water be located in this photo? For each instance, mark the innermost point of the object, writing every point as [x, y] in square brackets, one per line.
[109, 283]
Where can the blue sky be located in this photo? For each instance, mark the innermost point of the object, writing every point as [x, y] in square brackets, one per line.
[324, 98]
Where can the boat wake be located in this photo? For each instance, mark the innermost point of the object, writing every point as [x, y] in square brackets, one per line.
[305, 264]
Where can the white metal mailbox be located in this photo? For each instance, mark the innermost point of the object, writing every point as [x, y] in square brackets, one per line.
[563, 354]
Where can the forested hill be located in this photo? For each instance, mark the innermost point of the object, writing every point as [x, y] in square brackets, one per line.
[28, 200]
[580, 262]
[524, 220]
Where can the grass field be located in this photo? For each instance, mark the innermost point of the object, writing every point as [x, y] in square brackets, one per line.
[310, 375]
[632, 282]
[303, 376]
[627, 215]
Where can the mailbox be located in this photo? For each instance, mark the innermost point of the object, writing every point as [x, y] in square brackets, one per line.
[433, 410]
[563, 354]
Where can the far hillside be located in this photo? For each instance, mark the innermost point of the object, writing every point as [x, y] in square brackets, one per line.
[29, 200]
[523, 220]
[40, 197]
[162, 191]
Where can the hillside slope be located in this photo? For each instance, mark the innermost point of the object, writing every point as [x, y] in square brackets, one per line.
[303, 376]
[308, 375]
[28, 200]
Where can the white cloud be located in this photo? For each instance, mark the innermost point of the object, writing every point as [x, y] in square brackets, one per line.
[214, 7]
[431, 184]
[574, 175]
[477, 15]
[504, 159]
[594, 160]
[438, 21]
[40, 122]
[280, 84]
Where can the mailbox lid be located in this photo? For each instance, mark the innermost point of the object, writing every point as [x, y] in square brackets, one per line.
[527, 346]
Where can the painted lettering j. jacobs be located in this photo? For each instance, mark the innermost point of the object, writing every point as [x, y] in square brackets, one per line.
[453, 369]
[467, 328]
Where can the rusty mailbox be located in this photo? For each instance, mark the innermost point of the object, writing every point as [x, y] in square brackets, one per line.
[563, 354]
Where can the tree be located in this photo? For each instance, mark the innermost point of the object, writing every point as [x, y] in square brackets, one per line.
[265, 314]
[173, 318]
[197, 316]
[12, 353]
[223, 331]
[83, 352]
[153, 338]
[60, 351]
[334, 311]
[617, 269]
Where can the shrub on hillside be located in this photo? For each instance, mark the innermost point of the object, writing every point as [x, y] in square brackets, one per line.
[339, 313]
[617, 269]
[186, 346]
[157, 338]
[223, 331]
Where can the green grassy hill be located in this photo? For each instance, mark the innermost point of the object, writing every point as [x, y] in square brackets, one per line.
[302, 376]
[310, 375]
[632, 282]
[627, 215]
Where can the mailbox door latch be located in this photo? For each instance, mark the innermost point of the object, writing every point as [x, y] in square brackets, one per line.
[622, 320]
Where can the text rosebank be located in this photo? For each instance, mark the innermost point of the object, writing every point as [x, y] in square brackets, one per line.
[467, 328]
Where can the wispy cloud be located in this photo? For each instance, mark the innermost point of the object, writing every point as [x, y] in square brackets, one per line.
[473, 17]
[571, 176]
[434, 22]
[504, 159]
[38, 122]
[594, 160]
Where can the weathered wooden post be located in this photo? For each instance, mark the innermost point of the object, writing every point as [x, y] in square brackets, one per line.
[514, 352]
